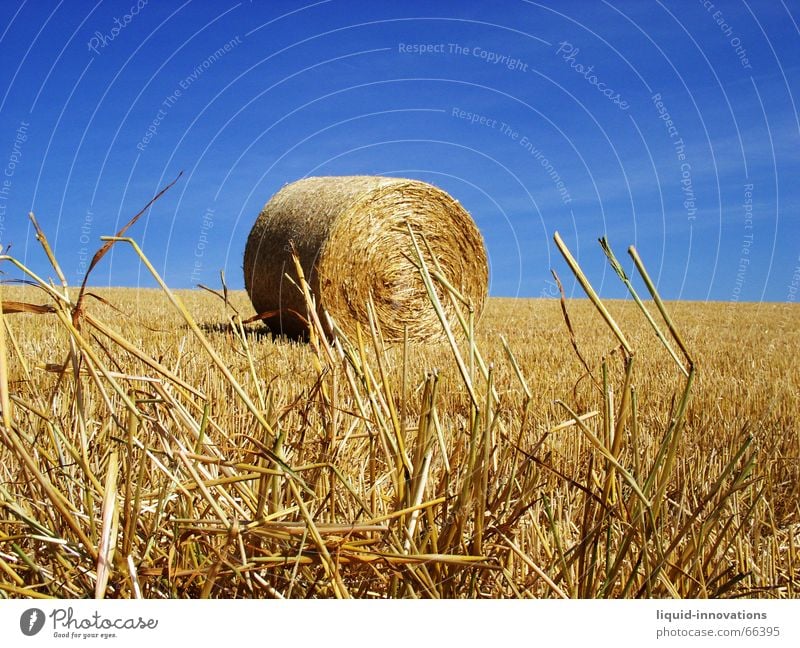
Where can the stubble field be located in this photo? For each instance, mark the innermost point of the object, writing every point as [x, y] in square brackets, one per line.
[155, 453]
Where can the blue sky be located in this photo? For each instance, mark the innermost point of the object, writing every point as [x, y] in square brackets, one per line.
[537, 117]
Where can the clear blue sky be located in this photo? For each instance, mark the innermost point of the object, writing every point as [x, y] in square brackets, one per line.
[537, 117]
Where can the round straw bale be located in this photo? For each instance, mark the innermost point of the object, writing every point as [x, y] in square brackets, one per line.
[351, 236]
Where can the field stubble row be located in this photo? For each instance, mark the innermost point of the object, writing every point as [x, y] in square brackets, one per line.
[456, 499]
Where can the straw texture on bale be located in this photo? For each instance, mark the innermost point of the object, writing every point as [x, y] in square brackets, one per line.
[352, 239]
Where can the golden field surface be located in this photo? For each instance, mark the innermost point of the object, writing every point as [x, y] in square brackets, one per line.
[147, 452]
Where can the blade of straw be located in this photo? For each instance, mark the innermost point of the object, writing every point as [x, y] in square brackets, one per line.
[615, 264]
[590, 292]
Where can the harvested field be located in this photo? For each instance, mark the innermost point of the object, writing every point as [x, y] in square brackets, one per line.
[222, 462]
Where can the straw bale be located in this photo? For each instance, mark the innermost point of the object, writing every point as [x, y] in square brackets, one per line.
[352, 240]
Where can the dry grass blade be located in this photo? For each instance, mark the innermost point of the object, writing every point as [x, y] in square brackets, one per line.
[57, 499]
[9, 307]
[5, 400]
[202, 338]
[40, 236]
[443, 319]
[108, 534]
[573, 340]
[590, 292]
[538, 570]
[608, 455]
[138, 353]
[330, 567]
[110, 242]
[615, 264]
[659, 303]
